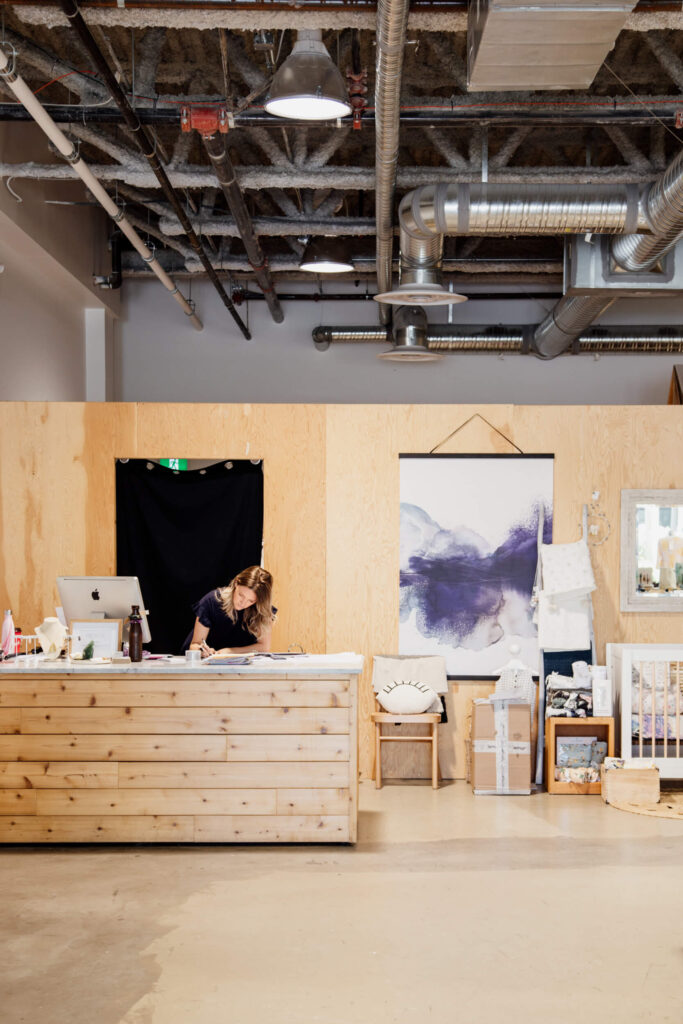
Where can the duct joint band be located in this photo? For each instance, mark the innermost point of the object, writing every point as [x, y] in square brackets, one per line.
[422, 232]
[463, 209]
[440, 196]
[632, 209]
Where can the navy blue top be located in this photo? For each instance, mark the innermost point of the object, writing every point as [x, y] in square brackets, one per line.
[223, 632]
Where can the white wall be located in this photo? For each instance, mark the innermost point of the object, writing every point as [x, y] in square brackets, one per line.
[163, 359]
[52, 241]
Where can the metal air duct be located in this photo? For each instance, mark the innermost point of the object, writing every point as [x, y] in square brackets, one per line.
[392, 18]
[635, 253]
[430, 212]
[664, 209]
[473, 338]
[410, 337]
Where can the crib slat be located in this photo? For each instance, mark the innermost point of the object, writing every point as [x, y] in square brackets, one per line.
[641, 682]
[678, 709]
[667, 682]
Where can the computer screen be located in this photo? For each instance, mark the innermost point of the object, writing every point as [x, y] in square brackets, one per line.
[96, 597]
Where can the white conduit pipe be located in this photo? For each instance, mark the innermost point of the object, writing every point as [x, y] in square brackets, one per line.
[69, 152]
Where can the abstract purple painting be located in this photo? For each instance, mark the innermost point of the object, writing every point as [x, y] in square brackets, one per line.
[469, 526]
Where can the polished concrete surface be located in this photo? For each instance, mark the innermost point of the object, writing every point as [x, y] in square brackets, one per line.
[450, 908]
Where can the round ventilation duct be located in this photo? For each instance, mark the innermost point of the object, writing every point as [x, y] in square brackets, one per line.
[410, 338]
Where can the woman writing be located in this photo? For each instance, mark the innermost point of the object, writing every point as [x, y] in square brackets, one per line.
[235, 619]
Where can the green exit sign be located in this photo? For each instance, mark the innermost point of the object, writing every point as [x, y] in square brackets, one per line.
[174, 463]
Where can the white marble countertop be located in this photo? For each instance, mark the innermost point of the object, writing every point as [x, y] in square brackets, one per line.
[347, 663]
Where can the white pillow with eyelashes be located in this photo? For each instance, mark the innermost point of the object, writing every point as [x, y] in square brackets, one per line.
[407, 697]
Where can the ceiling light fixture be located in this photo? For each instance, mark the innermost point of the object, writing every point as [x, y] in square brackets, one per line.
[327, 255]
[308, 86]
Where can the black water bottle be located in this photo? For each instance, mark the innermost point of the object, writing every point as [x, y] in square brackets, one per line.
[135, 634]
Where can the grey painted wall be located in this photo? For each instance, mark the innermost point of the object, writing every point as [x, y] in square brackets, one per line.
[162, 359]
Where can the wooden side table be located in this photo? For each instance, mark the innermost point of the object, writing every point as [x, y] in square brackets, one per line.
[429, 718]
[603, 728]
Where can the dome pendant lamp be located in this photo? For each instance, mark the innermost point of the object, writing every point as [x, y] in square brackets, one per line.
[308, 86]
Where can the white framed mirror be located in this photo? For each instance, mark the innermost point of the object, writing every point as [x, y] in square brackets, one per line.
[652, 551]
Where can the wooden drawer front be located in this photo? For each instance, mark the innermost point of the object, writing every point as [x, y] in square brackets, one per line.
[242, 775]
[83, 829]
[204, 721]
[154, 801]
[281, 829]
[289, 748]
[78, 692]
[58, 775]
[112, 748]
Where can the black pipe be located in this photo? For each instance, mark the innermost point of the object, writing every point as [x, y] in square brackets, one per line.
[225, 172]
[614, 111]
[148, 149]
[240, 295]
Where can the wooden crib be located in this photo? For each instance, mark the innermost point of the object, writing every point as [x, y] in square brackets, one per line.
[647, 681]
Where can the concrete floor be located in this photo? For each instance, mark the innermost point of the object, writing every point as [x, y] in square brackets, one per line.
[450, 908]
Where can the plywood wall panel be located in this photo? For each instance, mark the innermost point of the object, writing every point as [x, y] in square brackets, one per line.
[331, 529]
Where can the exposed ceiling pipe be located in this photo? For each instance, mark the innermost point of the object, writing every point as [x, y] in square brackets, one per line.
[225, 172]
[663, 207]
[70, 152]
[613, 110]
[148, 149]
[484, 339]
[392, 20]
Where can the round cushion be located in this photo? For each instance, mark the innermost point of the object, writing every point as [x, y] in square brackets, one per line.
[405, 697]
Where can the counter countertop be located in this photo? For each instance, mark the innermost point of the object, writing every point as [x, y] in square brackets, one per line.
[303, 665]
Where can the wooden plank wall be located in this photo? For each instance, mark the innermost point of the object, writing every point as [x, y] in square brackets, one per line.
[331, 523]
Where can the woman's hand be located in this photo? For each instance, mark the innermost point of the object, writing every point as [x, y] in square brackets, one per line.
[206, 650]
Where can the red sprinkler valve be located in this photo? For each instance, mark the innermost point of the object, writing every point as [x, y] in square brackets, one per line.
[206, 120]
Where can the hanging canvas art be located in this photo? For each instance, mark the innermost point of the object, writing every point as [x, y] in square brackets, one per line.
[469, 526]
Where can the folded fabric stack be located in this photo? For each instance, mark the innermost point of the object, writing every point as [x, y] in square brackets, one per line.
[578, 758]
[568, 696]
[564, 603]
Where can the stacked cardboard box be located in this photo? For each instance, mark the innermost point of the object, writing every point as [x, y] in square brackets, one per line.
[501, 747]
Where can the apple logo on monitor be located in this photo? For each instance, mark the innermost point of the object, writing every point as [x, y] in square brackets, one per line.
[95, 594]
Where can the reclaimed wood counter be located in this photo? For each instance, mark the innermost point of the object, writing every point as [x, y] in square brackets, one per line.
[168, 752]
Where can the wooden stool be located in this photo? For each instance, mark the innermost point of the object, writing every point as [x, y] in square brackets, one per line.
[429, 718]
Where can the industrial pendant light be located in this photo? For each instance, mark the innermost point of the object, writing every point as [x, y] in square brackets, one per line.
[327, 255]
[308, 86]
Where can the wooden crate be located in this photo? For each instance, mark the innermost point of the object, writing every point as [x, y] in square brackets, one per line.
[630, 785]
[603, 728]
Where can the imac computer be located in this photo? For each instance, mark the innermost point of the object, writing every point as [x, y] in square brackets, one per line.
[102, 597]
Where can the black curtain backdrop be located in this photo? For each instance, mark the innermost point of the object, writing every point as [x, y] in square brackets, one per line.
[184, 533]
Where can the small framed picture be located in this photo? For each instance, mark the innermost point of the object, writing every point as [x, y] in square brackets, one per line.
[106, 634]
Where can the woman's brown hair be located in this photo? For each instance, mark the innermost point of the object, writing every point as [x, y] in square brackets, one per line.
[258, 617]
